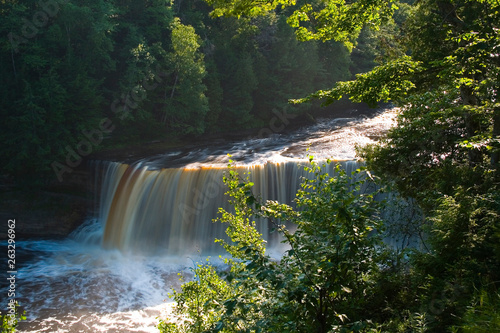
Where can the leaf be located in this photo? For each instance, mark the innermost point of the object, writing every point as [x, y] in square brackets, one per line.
[346, 289]
[219, 326]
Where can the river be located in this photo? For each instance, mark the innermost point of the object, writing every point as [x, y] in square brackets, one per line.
[153, 220]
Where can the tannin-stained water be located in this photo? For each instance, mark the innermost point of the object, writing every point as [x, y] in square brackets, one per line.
[114, 273]
[170, 210]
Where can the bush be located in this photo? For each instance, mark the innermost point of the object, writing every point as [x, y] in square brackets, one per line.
[327, 281]
[9, 322]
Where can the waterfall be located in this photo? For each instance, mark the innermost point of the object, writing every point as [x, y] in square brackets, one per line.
[171, 210]
[114, 273]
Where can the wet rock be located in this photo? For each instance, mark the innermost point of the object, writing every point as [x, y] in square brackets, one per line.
[53, 211]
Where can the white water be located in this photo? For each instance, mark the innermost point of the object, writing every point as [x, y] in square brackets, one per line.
[170, 210]
[329, 138]
[77, 285]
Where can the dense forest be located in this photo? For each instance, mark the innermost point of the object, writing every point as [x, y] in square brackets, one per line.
[81, 77]
[78, 77]
[441, 65]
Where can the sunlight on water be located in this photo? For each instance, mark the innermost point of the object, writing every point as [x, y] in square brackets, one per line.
[73, 287]
[328, 138]
[114, 273]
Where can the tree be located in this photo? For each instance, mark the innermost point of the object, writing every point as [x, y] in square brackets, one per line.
[324, 282]
[444, 73]
[338, 20]
[137, 88]
[448, 82]
[52, 83]
[186, 103]
[284, 62]
[444, 149]
[235, 54]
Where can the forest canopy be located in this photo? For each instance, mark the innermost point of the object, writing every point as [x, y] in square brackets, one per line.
[441, 65]
[79, 77]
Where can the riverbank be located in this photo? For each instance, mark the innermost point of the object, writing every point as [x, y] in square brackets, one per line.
[50, 212]
[282, 123]
[56, 209]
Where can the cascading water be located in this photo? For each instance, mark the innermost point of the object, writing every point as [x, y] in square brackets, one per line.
[171, 210]
[154, 220]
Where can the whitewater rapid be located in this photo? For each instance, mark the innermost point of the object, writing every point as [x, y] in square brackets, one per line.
[79, 285]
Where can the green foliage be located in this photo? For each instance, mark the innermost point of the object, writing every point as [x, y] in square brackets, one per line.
[325, 282]
[154, 77]
[199, 303]
[482, 315]
[383, 83]
[421, 154]
[322, 20]
[452, 68]
[240, 83]
[411, 322]
[463, 239]
[440, 63]
[443, 152]
[287, 61]
[187, 92]
[9, 322]
[50, 80]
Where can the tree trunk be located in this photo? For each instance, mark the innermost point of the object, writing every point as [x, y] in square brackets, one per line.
[495, 156]
[173, 88]
[472, 125]
[13, 63]
[164, 119]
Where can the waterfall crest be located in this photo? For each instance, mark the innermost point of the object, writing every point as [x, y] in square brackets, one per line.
[171, 210]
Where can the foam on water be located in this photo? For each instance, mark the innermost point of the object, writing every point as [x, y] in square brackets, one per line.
[75, 285]
[329, 138]
[71, 286]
